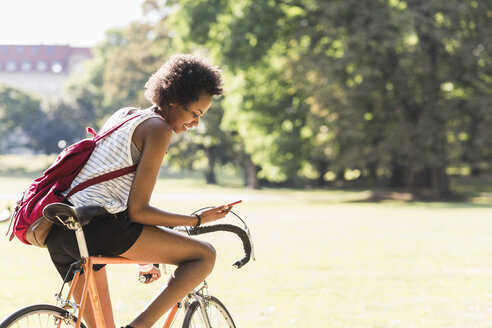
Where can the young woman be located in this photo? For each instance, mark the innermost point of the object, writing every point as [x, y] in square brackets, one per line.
[181, 92]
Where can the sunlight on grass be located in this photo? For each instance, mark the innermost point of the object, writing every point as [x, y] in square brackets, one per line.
[318, 265]
[24, 165]
[324, 258]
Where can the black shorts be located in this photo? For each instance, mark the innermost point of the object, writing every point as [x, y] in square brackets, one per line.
[109, 235]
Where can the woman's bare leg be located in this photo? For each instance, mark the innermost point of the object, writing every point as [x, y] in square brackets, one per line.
[104, 298]
[195, 260]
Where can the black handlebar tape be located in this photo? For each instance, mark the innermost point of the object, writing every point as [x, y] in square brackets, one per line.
[229, 228]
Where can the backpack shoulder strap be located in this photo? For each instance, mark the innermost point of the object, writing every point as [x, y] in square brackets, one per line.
[109, 131]
[109, 175]
[102, 178]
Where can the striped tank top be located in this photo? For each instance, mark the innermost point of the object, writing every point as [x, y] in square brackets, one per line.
[114, 152]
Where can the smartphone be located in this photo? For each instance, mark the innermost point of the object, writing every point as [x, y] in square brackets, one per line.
[235, 203]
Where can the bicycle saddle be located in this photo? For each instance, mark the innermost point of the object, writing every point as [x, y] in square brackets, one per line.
[66, 215]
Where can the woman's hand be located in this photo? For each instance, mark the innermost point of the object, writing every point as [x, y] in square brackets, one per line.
[214, 214]
[155, 272]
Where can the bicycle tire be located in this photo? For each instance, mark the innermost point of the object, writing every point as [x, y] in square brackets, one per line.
[217, 313]
[40, 315]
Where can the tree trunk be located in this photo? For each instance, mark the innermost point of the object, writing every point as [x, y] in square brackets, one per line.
[435, 114]
[250, 174]
[398, 176]
[420, 179]
[440, 183]
[322, 167]
[340, 174]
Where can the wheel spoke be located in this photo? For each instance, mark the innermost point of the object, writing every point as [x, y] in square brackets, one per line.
[217, 314]
[39, 316]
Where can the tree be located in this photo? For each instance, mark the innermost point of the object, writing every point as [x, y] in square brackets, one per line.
[268, 111]
[116, 76]
[380, 86]
[391, 89]
[392, 79]
[20, 114]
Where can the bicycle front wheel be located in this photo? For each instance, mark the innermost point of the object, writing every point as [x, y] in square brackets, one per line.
[42, 316]
[216, 312]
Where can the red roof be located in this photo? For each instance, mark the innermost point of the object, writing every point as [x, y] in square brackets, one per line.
[39, 58]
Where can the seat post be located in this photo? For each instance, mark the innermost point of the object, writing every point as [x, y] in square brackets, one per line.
[79, 234]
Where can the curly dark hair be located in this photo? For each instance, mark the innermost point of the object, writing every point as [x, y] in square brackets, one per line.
[181, 80]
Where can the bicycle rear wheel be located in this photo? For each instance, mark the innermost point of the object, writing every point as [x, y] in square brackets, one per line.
[42, 316]
[216, 312]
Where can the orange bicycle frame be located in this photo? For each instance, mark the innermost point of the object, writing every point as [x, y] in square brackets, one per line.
[90, 289]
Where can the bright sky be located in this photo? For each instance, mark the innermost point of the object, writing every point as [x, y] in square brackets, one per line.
[79, 23]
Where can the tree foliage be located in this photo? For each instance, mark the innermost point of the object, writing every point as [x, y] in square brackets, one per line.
[390, 88]
[388, 91]
[27, 124]
[19, 114]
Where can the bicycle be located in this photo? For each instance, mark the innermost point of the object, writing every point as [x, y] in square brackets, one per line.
[200, 308]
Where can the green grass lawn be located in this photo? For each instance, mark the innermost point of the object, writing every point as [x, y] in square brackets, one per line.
[322, 261]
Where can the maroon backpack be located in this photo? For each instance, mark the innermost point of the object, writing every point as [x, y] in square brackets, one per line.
[56, 179]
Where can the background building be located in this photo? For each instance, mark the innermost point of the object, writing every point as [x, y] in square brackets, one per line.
[40, 69]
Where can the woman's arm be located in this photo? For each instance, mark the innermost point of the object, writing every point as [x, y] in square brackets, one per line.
[152, 137]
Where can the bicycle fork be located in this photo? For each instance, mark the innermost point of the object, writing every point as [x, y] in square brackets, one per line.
[203, 309]
[200, 296]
